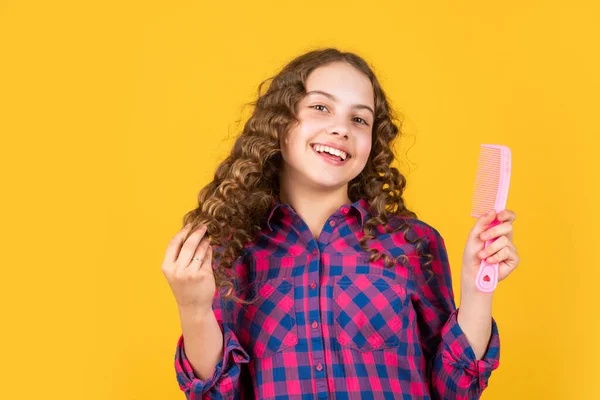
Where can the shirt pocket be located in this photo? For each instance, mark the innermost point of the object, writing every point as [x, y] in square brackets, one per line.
[270, 321]
[370, 311]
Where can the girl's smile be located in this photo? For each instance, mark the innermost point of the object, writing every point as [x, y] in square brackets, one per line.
[338, 158]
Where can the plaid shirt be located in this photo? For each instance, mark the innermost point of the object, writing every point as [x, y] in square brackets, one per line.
[328, 323]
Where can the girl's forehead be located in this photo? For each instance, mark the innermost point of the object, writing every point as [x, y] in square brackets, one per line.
[340, 82]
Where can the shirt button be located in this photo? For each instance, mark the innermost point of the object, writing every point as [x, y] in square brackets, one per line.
[331, 223]
[314, 325]
[313, 285]
[319, 367]
[315, 252]
[345, 210]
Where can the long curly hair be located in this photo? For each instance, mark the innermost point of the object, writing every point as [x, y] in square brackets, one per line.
[235, 205]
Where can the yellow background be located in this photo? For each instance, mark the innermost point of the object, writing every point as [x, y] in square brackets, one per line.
[113, 115]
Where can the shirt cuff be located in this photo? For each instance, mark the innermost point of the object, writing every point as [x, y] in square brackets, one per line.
[233, 354]
[459, 353]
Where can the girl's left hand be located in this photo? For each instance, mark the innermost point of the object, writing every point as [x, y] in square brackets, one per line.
[501, 251]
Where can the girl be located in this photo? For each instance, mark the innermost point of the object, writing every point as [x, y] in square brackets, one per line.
[324, 285]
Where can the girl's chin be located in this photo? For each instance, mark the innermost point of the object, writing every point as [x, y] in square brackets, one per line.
[314, 174]
[331, 182]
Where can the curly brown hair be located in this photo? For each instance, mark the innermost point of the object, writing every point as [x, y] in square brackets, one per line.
[235, 205]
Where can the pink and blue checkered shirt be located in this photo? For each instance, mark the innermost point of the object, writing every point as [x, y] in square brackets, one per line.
[329, 324]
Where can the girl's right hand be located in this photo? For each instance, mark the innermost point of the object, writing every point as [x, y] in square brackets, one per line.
[192, 281]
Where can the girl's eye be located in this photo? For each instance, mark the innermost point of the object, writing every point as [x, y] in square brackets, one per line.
[320, 105]
[363, 121]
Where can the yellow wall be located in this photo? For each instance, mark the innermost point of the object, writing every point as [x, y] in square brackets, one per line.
[114, 115]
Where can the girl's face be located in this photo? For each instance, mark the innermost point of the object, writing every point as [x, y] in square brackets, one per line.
[338, 109]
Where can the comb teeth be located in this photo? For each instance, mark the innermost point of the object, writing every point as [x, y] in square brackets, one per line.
[491, 180]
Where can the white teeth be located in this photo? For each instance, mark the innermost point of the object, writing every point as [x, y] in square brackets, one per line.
[319, 148]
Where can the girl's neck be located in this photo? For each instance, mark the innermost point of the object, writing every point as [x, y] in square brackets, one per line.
[314, 208]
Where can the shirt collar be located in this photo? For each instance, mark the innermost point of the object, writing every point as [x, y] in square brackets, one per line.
[361, 206]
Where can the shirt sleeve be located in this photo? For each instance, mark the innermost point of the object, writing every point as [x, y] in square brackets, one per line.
[225, 382]
[453, 368]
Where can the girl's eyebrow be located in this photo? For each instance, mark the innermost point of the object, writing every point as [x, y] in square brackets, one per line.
[332, 97]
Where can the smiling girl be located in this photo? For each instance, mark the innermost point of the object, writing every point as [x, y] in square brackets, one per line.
[323, 284]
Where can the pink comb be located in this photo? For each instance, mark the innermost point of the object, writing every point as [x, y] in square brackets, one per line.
[491, 190]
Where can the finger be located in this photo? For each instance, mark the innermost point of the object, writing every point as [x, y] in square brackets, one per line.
[496, 231]
[507, 215]
[506, 255]
[483, 223]
[501, 255]
[175, 245]
[494, 247]
[207, 262]
[200, 253]
[190, 246]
